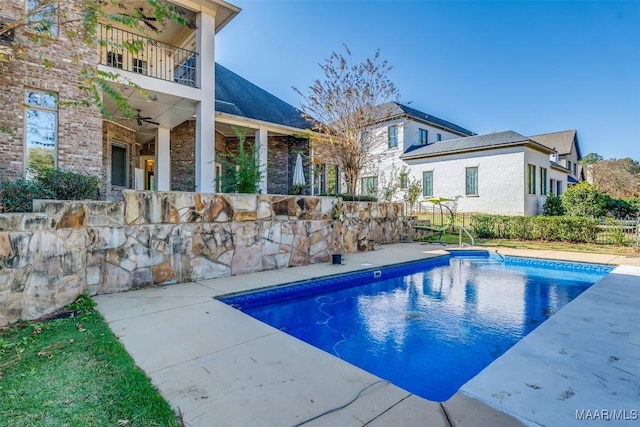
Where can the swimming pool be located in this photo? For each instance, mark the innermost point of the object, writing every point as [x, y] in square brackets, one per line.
[427, 326]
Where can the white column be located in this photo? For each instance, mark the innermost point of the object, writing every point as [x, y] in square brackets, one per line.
[163, 160]
[205, 113]
[262, 141]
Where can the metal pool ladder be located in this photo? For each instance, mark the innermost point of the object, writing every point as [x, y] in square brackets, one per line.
[460, 243]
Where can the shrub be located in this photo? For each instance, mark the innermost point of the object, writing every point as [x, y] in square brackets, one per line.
[553, 206]
[358, 198]
[551, 228]
[17, 196]
[619, 208]
[242, 172]
[584, 200]
[68, 185]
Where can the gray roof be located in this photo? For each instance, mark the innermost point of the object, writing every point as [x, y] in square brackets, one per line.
[240, 97]
[559, 141]
[471, 143]
[393, 109]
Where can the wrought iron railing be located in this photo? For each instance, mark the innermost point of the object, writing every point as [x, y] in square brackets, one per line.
[143, 55]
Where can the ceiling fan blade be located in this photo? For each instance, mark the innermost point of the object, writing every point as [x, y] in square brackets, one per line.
[152, 122]
[150, 25]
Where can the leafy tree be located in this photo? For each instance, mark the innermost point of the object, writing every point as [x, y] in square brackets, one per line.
[242, 170]
[77, 21]
[584, 200]
[590, 159]
[553, 206]
[344, 103]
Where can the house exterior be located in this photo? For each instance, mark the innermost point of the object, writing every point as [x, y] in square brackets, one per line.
[173, 142]
[499, 173]
[401, 129]
[567, 152]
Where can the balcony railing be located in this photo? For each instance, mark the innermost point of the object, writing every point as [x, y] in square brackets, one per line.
[139, 54]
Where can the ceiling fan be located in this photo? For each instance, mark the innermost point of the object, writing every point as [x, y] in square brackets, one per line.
[142, 120]
[146, 19]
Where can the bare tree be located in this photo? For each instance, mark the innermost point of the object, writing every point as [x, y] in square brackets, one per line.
[617, 177]
[44, 22]
[344, 104]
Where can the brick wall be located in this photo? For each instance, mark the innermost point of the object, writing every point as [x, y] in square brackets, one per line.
[183, 156]
[79, 128]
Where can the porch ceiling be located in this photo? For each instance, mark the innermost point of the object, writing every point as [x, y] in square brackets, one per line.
[168, 110]
[169, 32]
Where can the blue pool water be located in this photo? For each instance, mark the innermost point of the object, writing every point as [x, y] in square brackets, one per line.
[427, 326]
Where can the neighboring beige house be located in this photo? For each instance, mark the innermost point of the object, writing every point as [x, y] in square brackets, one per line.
[498, 173]
[567, 149]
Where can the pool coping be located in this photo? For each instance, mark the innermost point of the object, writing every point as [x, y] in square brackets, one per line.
[255, 374]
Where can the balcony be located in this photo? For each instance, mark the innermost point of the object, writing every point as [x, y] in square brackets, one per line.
[142, 55]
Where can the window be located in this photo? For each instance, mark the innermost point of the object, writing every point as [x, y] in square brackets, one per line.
[471, 187]
[559, 189]
[41, 130]
[365, 140]
[42, 16]
[427, 183]
[575, 169]
[119, 165]
[569, 164]
[139, 66]
[552, 185]
[332, 182]
[369, 186]
[438, 137]
[218, 174]
[543, 181]
[114, 59]
[404, 181]
[422, 136]
[393, 136]
[531, 179]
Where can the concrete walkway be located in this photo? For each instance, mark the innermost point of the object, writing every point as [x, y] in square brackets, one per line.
[220, 367]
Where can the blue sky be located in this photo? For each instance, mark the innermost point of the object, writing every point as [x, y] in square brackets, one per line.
[531, 67]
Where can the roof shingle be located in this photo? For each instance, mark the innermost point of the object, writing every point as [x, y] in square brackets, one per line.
[470, 143]
[238, 96]
[559, 141]
[393, 109]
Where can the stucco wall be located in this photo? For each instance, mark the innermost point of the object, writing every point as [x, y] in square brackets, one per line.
[386, 160]
[50, 257]
[501, 180]
[535, 202]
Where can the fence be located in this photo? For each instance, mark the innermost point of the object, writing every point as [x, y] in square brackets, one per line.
[619, 232]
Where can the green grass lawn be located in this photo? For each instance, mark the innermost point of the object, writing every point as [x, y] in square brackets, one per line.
[449, 238]
[73, 372]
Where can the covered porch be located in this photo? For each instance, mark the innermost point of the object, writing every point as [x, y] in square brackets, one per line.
[167, 78]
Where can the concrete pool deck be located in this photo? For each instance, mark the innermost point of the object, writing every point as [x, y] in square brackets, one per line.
[220, 367]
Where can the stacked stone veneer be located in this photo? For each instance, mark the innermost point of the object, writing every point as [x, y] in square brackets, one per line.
[63, 249]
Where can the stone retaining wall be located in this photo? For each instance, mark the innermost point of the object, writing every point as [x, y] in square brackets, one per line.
[64, 249]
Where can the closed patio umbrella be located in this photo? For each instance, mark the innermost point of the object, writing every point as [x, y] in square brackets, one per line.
[298, 174]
